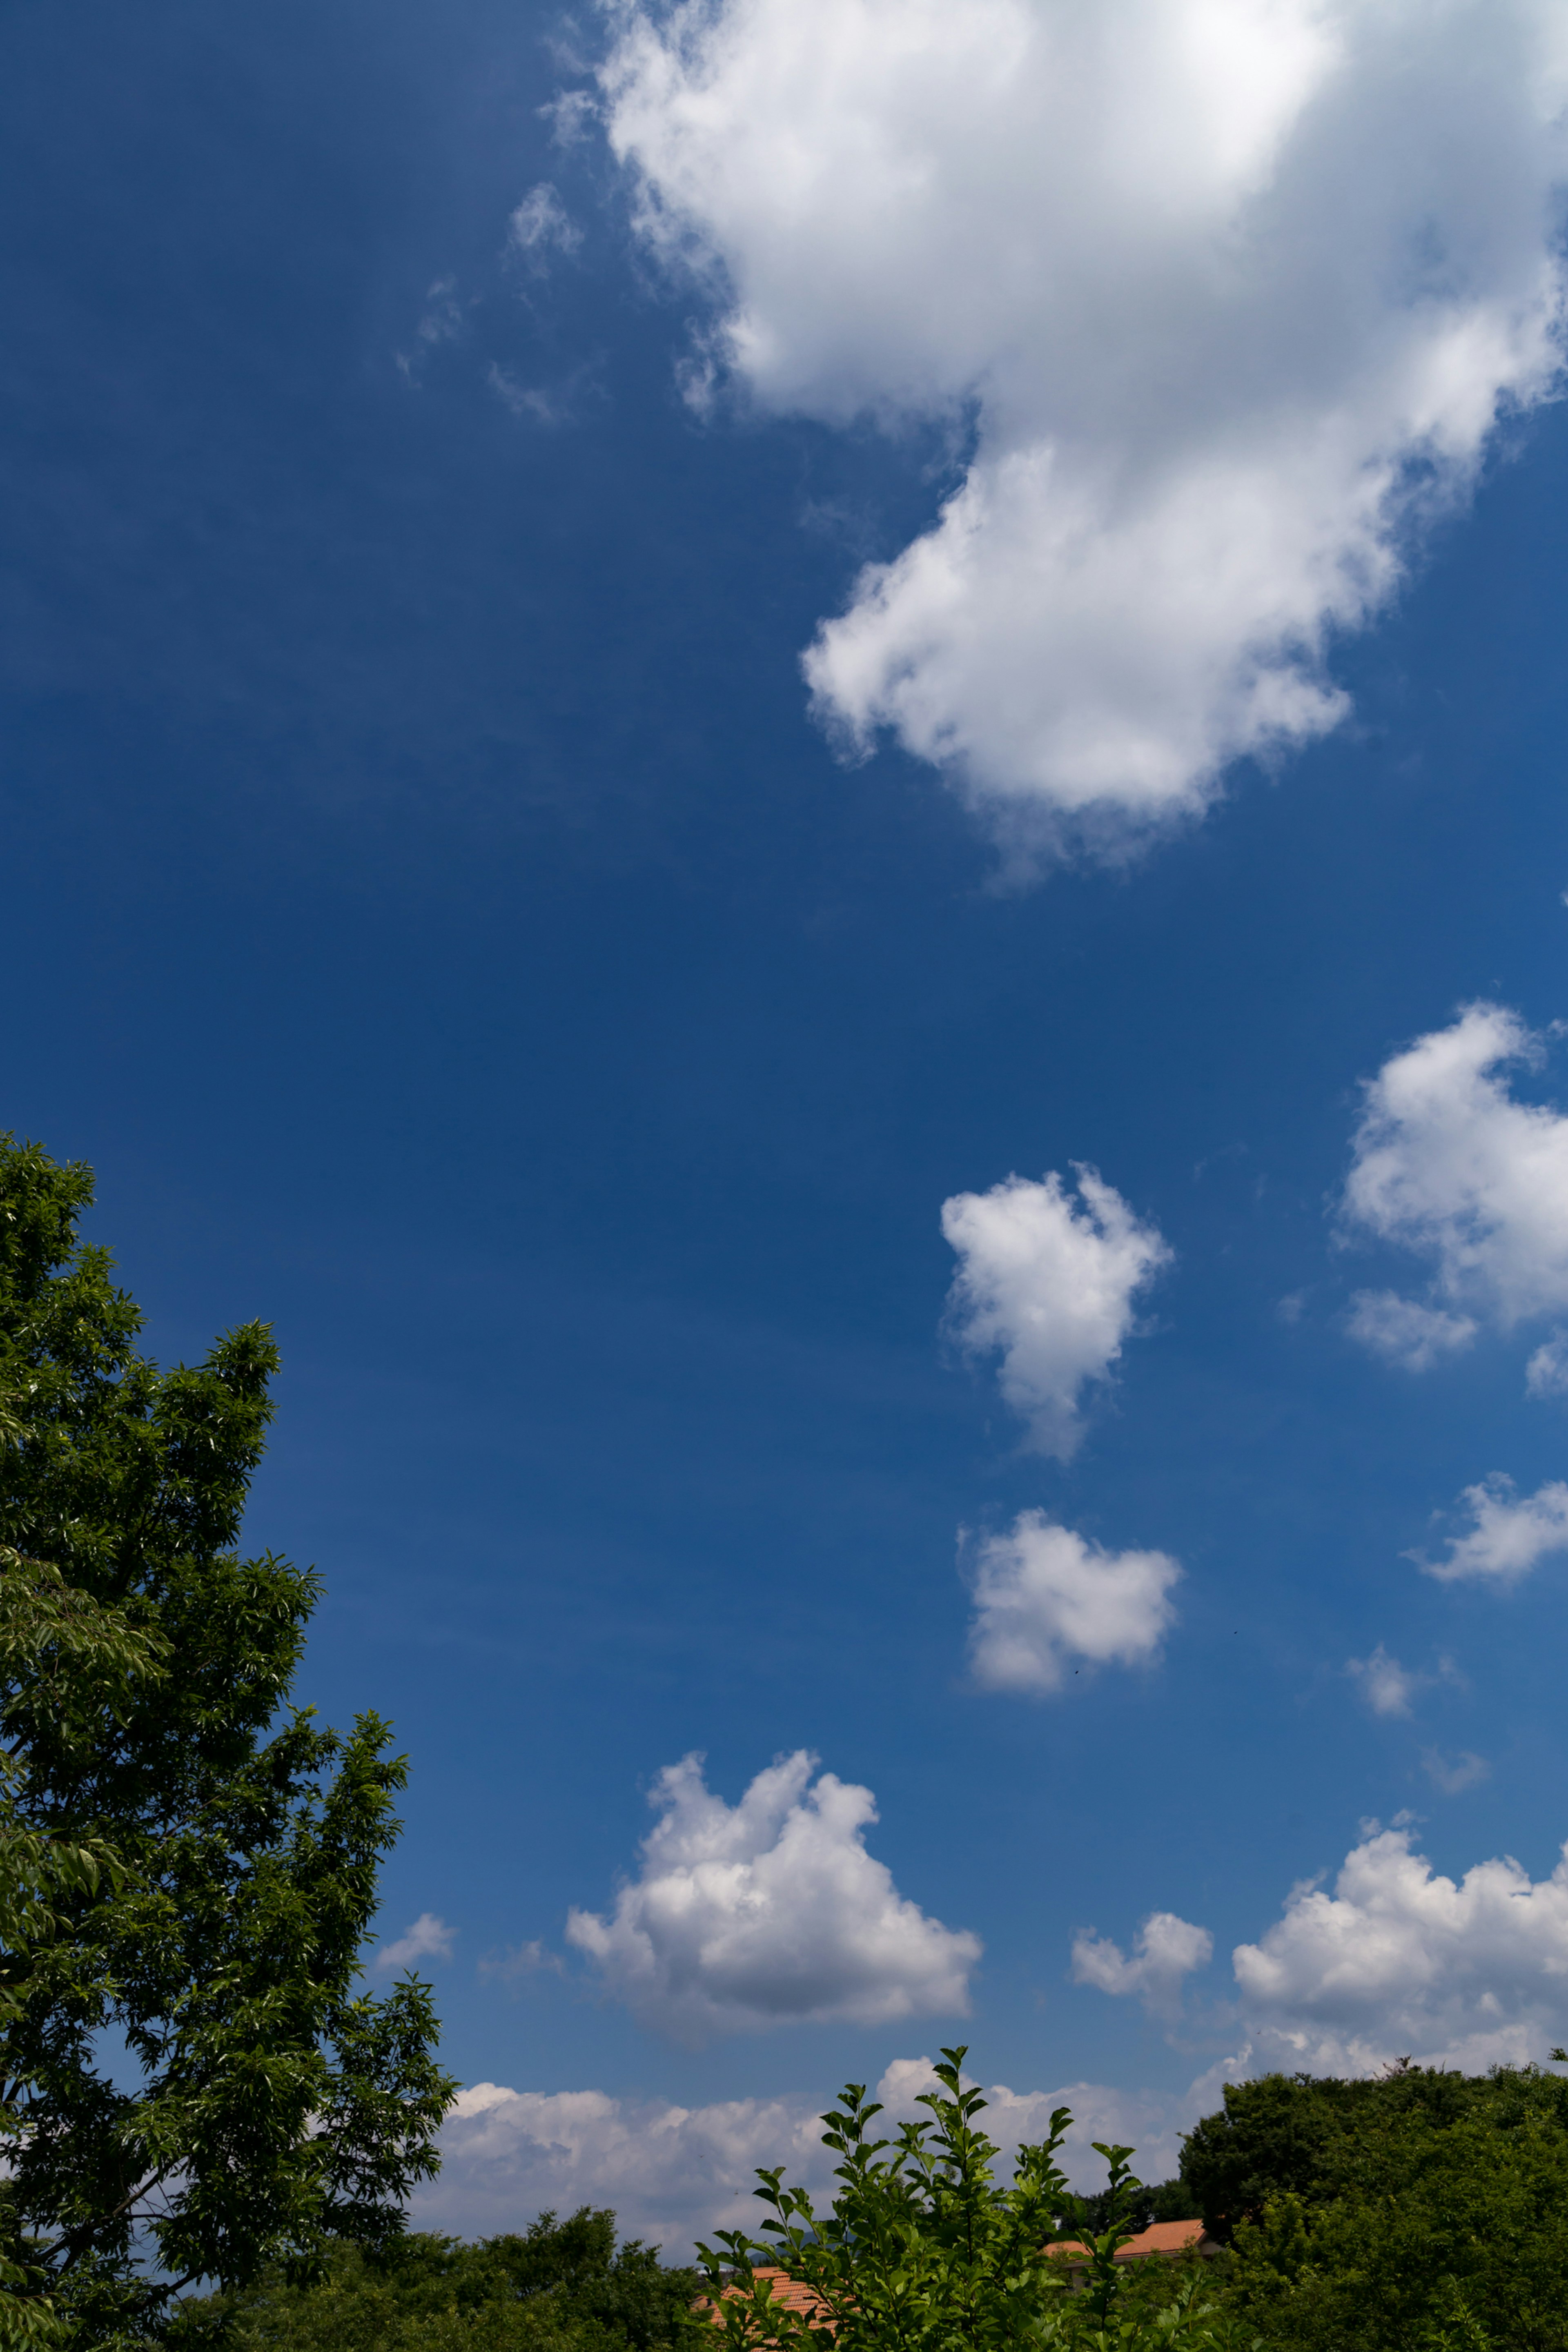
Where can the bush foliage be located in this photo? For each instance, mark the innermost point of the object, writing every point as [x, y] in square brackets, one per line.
[560, 2286]
[1420, 2212]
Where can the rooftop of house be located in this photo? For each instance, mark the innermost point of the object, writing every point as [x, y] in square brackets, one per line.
[792, 2293]
[1167, 2237]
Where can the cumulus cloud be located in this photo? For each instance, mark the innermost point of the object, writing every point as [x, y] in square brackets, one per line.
[1506, 1536]
[1400, 1959]
[1166, 1949]
[429, 1938]
[674, 2174]
[1050, 1282]
[1045, 1595]
[1230, 295]
[1448, 1165]
[769, 1912]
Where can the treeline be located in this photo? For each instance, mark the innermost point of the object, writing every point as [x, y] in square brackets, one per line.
[557, 2286]
[1420, 2212]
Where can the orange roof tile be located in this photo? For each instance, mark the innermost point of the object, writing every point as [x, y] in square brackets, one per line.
[1168, 2238]
[792, 2293]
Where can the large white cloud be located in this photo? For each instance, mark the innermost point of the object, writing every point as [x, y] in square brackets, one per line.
[674, 2173]
[1448, 1163]
[1232, 291]
[1045, 1595]
[1399, 1958]
[768, 1913]
[1051, 1281]
[1508, 1533]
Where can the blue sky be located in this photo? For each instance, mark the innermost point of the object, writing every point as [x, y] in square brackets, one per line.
[435, 909]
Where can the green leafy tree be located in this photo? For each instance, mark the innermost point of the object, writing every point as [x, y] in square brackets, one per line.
[1435, 2219]
[1267, 2140]
[922, 2248]
[558, 2286]
[192, 2082]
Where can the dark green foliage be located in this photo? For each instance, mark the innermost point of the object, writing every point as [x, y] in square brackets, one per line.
[559, 2288]
[192, 2083]
[1267, 2141]
[1167, 2200]
[923, 2250]
[1421, 2212]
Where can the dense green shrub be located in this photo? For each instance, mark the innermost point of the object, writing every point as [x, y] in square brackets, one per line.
[560, 2286]
[1420, 2212]
[924, 2250]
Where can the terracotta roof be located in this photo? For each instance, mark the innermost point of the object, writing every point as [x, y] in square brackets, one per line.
[1167, 2237]
[792, 2293]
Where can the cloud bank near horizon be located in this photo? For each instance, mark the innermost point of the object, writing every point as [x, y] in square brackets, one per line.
[673, 2174]
[1224, 298]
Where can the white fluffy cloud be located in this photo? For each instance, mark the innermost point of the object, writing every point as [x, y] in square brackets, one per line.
[1232, 292]
[1448, 1165]
[429, 1938]
[1051, 1281]
[1507, 1535]
[1167, 1948]
[1045, 1595]
[768, 1913]
[1399, 1958]
[673, 2173]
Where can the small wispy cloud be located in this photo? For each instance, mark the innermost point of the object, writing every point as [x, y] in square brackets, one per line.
[1453, 1773]
[429, 1938]
[1403, 1331]
[1546, 1374]
[1387, 1685]
[541, 226]
[515, 1963]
